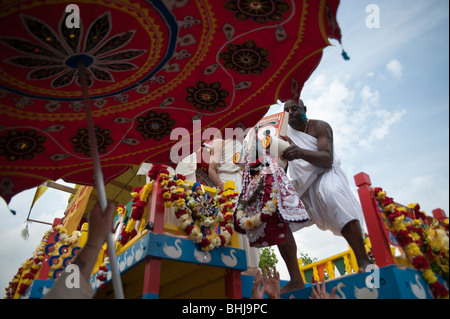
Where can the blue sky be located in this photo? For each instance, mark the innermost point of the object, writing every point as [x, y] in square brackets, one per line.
[388, 106]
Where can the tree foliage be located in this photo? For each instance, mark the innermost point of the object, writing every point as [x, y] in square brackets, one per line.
[267, 256]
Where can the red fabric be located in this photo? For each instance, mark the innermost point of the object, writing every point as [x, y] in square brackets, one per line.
[151, 69]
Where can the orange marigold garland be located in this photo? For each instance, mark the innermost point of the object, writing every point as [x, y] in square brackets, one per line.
[423, 238]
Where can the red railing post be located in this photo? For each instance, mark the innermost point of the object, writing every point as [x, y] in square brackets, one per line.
[156, 208]
[233, 285]
[152, 274]
[439, 214]
[378, 239]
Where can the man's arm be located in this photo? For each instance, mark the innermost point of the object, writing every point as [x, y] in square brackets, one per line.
[100, 227]
[323, 157]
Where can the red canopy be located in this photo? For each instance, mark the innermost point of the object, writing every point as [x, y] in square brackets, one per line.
[153, 67]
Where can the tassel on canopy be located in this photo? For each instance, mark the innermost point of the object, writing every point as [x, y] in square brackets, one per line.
[345, 55]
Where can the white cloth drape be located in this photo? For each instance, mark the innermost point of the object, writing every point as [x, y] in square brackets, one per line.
[325, 192]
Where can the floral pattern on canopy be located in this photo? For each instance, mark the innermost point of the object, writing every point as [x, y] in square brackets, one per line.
[152, 67]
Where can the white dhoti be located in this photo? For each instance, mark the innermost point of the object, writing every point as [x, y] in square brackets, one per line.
[325, 193]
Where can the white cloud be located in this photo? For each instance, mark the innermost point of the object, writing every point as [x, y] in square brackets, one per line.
[395, 68]
[422, 189]
[388, 119]
[352, 109]
[369, 96]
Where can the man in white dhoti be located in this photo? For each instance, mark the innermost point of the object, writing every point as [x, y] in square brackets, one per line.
[319, 180]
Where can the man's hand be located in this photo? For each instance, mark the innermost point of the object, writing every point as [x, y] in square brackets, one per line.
[258, 287]
[100, 226]
[293, 152]
[269, 285]
[320, 292]
[272, 283]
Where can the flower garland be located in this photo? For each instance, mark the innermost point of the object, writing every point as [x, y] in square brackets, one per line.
[259, 216]
[250, 212]
[121, 210]
[156, 170]
[29, 270]
[206, 219]
[140, 196]
[422, 238]
[27, 273]
[368, 247]
[103, 273]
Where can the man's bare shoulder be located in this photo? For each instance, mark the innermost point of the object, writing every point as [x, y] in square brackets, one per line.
[320, 128]
[320, 123]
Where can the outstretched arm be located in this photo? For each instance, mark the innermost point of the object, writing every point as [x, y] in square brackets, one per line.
[100, 227]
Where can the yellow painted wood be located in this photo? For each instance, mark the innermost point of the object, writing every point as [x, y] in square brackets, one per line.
[132, 282]
[184, 280]
[349, 260]
[174, 229]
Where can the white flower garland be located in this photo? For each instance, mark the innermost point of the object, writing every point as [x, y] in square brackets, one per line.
[251, 221]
